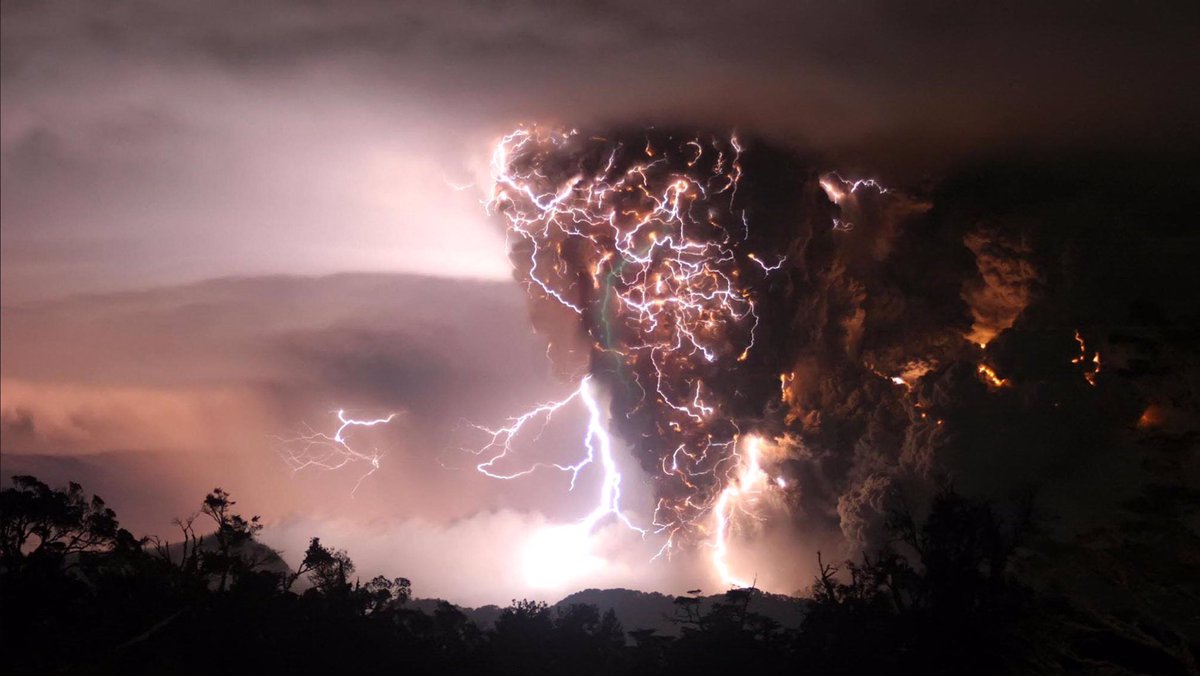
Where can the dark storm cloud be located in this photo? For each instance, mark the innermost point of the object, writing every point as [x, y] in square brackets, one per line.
[1105, 251]
[182, 141]
[975, 71]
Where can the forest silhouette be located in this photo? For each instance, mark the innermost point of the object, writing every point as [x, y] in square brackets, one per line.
[80, 594]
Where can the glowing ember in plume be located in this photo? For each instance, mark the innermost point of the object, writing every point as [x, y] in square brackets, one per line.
[785, 379]
[1153, 416]
[990, 376]
[1094, 370]
[325, 451]
[644, 240]
[905, 379]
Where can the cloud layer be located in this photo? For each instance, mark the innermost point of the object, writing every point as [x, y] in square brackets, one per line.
[163, 142]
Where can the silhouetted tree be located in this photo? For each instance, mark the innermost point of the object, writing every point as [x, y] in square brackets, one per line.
[189, 546]
[382, 593]
[950, 605]
[728, 637]
[40, 524]
[79, 594]
[328, 569]
[233, 533]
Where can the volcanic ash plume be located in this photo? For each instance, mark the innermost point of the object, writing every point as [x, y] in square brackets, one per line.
[657, 247]
[769, 332]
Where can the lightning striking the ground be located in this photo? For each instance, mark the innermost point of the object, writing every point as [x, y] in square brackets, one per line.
[739, 497]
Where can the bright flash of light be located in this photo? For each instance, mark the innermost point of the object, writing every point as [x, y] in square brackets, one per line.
[331, 451]
[556, 555]
[738, 498]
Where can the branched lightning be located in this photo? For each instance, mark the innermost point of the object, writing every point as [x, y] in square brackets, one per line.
[331, 451]
[840, 191]
[837, 188]
[596, 441]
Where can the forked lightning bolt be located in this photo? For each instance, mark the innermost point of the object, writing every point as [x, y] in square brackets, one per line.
[331, 451]
[596, 442]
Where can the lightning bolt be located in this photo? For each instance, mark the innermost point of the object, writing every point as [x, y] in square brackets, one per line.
[596, 442]
[331, 451]
[738, 497]
[839, 190]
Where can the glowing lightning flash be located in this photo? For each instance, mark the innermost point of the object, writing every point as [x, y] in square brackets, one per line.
[737, 496]
[324, 451]
[840, 192]
[596, 440]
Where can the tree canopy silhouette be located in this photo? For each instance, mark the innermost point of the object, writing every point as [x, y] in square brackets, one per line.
[82, 595]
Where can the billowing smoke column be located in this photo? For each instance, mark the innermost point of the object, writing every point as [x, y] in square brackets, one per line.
[650, 241]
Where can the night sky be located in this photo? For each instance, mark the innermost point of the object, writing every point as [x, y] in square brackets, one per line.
[223, 222]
